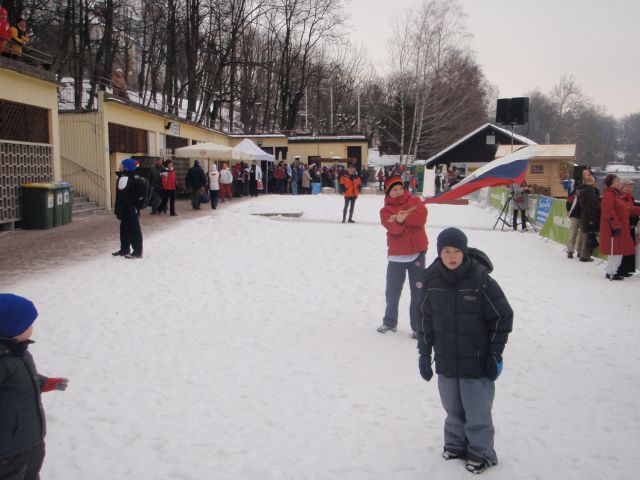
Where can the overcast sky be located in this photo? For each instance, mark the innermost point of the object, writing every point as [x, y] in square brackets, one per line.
[523, 45]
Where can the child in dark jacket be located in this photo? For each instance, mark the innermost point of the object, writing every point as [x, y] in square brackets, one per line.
[466, 320]
[22, 420]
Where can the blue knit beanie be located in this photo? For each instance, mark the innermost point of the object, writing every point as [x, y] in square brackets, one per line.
[453, 237]
[129, 165]
[17, 314]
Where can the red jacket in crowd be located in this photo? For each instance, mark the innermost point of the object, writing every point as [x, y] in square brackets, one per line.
[168, 179]
[410, 236]
[5, 29]
[615, 214]
[280, 173]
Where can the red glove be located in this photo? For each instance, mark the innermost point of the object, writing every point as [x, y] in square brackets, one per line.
[55, 384]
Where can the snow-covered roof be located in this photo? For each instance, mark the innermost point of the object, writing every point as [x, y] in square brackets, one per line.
[567, 151]
[262, 135]
[520, 138]
[329, 138]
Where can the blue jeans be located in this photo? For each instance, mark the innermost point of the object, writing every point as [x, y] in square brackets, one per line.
[396, 273]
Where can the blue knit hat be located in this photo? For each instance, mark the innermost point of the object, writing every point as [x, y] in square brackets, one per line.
[129, 165]
[17, 314]
[453, 237]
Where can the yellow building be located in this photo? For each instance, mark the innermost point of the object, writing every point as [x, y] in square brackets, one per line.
[93, 143]
[29, 137]
[330, 149]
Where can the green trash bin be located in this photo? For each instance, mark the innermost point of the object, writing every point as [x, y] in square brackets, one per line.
[67, 202]
[38, 205]
[58, 208]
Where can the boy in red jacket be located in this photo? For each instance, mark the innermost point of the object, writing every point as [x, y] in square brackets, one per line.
[405, 217]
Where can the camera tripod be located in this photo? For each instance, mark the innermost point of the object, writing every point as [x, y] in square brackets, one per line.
[504, 214]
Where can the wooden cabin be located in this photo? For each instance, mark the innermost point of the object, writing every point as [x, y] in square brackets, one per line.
[548, 169]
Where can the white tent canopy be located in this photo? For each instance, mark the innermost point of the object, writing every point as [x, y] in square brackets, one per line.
[211, 151]
[246, 146]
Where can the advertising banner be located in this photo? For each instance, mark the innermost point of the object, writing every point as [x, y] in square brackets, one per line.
[544, 207]
[556, 226]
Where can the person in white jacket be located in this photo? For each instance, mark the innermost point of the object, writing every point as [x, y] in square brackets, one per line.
[255, 176]
[213, 178]
[226, 178]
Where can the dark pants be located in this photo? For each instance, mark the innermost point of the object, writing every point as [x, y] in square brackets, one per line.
[253, 188]
[130, 234]
[214, 195]
[239, 189]
[168, 196]
[396, 273]
[195, 197]
[628, 264]
[155, 204]
[280, 185]
[523, 217]
[349, 202]
[25, 465]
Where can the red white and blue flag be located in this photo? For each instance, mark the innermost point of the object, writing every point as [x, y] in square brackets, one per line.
[509, 169]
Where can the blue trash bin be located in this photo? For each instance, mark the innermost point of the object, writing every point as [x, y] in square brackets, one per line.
[315, 188]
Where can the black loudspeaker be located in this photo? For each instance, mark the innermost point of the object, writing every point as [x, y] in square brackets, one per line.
[503, 110]
[519, 110]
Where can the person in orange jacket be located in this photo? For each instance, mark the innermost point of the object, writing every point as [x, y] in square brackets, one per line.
[350, 184]
[404, 216]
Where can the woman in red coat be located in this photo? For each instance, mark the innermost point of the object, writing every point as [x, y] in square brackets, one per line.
[614, 225]
[405, 217]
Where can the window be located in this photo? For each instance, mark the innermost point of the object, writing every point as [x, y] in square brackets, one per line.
[127, 139]
[23, 123]
[536, 169]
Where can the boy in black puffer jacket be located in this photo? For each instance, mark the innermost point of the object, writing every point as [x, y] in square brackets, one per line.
[22, 421]
[466, 320]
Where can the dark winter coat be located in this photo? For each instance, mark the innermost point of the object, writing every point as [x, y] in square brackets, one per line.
[589, 201]
[125, 196]
[195, 177]
[466, 316]
[154, 177]
[616, 213]
[22, 420]
[575, 211]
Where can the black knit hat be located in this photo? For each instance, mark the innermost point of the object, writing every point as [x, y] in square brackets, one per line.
[453, 237]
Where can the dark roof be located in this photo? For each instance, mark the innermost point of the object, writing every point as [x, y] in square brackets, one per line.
[473, 147]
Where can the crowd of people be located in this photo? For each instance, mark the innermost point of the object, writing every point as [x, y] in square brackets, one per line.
[408, 176]
[13, 38]
[606, 221]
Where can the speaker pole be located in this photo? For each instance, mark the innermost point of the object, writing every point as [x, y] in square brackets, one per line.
[512, 130]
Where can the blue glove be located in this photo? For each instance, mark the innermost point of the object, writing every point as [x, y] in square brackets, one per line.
[424, 362]
[494, 366]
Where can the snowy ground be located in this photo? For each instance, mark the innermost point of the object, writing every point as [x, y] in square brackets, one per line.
[244, 347]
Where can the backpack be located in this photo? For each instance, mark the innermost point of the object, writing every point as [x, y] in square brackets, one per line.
[143, 192]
